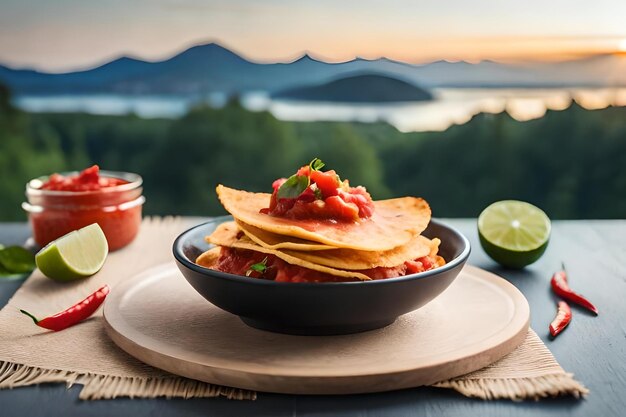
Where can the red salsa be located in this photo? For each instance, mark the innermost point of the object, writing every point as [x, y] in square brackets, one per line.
[87, 180]
[313, 194]
[64, 203]
[259, 265]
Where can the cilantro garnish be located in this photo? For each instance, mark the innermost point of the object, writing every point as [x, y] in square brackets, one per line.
[296, 184]
[293, 187]
[316, 164]
[260, 267]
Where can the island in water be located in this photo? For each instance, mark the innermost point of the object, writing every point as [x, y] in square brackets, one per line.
[362, 88]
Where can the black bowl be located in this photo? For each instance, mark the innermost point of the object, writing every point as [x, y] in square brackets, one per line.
[319, 308]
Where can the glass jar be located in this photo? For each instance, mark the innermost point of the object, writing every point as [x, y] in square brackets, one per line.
[117, 209]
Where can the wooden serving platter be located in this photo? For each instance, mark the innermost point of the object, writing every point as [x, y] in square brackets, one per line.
[160, 319]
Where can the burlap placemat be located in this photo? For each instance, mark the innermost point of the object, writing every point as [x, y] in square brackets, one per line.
[84, 355]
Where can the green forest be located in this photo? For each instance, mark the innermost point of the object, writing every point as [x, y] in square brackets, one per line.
[571, 163]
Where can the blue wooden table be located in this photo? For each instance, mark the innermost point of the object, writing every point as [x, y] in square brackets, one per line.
[593, 348]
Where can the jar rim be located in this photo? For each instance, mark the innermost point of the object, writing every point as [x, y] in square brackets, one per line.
[34, 208]
[133, 181]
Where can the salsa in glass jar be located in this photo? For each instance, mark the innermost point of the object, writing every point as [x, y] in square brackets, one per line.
[64, 202]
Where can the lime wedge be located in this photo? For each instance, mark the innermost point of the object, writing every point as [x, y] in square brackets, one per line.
[78, 254]
[514, 233]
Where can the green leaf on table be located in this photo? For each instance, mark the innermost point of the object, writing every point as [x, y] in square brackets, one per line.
[16, 260]
[293, 187]
[7, 275]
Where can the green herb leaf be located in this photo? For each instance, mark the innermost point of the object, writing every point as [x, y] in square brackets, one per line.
[293, 187]
[259, 267]
[316, 164]
[4, 272]
[8, 275]
[17, 260]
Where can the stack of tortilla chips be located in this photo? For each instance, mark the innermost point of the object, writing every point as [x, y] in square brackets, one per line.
[389, 238]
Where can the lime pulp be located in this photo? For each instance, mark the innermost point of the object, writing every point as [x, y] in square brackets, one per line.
[78, 254]
[514, 233]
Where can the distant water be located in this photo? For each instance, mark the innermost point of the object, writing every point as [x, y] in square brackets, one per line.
[451, 105]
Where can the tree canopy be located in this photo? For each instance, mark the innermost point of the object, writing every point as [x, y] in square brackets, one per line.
[570, 163]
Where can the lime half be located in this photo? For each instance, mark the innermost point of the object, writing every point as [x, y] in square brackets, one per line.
[78, 254]
[514, 233]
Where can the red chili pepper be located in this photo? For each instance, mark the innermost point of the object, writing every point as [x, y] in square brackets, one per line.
[561, 287]
[77, 313]
[562, 319]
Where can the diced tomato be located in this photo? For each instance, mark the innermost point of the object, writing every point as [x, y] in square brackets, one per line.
[277, 183]
[337, 208]
[303, 171]
[427, 262]
[304, 210]
[413, 267]
[327, 182]
[361, 198]
[91, 174]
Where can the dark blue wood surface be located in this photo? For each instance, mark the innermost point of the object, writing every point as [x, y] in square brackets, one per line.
[593, 348]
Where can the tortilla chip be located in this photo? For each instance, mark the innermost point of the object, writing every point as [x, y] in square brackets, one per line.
[209, 258]
[352, 259]
[274, 241]
[226, 234]
[393, 223]
[434, 246]
[229, 234]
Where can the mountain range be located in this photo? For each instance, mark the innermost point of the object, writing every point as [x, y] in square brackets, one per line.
[211, 68]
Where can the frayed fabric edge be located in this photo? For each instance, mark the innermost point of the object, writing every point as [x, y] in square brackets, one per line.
[518, 389]
[103, 387]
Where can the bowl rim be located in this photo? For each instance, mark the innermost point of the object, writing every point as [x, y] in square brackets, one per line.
[182, 260]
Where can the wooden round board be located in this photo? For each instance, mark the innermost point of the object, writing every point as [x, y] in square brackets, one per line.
[160, 319]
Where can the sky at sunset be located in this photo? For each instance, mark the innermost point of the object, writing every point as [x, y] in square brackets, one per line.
[69, 34]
